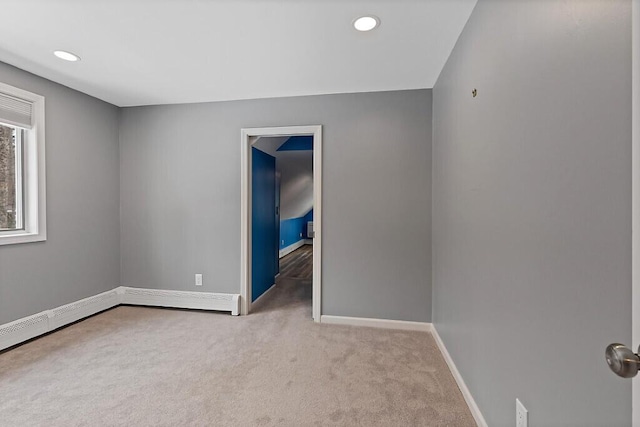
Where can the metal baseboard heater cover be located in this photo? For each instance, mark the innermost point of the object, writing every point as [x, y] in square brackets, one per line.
[180, 299]
[29, 327]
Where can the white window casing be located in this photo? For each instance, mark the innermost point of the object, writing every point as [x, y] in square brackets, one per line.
[22, 109]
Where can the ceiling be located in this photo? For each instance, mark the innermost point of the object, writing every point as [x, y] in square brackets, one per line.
[144, 52]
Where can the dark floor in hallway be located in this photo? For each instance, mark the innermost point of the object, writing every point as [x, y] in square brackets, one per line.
[298, 264]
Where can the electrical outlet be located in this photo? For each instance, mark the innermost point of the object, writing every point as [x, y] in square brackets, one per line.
[300, 234]
[282, 242]
[522, 415]
[198, 279]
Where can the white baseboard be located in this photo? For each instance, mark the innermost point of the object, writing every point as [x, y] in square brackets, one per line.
[473, 407]
[29, 327]
[376, 323]
[308, 242]
[286, 251]
[180, 299]
[262, 298]
[72, 312]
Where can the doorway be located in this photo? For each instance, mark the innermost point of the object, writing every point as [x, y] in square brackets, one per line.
[248, 138]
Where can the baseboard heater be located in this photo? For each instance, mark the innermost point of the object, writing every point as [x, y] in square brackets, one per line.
[26, 328]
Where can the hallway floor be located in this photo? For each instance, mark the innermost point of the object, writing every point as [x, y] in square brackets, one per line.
[298, 264]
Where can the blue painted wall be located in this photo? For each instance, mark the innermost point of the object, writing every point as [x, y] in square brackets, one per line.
[297, 143]
[290, 230]
[309, 216]
[264, 250]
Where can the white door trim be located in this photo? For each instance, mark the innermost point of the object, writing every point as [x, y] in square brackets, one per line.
[245, 210]
[635, 185]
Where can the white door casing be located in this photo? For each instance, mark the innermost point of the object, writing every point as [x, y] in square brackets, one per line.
[635, 251]
[248, 136]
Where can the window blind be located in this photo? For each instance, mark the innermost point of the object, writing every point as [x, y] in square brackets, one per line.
[15, 111]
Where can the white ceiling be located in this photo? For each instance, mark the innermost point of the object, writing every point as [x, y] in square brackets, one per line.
[142, 52]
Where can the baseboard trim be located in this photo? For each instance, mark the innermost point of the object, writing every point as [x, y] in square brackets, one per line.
[403, 325]
[466, 393]
[180, 299]
[29, 327]
[262, 298]
[286, 251]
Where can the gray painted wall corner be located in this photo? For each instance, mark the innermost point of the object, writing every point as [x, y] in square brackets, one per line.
[80, 257]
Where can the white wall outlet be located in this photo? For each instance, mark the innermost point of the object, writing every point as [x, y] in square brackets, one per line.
[522, 415]
[300, 234]
[198, 279]
[282, 242]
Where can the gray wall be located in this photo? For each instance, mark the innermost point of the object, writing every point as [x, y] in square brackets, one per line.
[532, 208]
[180, 196]
[80, 256]
[296, 185]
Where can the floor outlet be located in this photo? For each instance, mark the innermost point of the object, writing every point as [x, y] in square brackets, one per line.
[522, 415]
[198, 279]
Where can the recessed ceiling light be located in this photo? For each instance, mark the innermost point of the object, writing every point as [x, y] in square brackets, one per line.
[67, 56]
[366, 23]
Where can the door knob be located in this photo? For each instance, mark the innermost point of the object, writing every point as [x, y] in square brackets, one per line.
[622, 360]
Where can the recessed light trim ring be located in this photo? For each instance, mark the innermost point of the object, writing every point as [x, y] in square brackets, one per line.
[366, 23]
[67, 56]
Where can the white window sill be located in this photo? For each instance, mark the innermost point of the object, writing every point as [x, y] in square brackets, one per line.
[14, 238]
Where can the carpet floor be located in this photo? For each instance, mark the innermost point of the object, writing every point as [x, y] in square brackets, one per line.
[139, 366]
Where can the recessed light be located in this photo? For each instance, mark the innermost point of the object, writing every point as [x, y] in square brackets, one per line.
[67, 56]
[366, 23]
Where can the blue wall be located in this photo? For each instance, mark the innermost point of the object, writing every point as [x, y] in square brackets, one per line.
[309, 216]
[290, 229]
[264, 250]
[297, 143]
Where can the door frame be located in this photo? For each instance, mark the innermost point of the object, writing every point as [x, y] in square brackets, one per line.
[247, 134]
[635, 185]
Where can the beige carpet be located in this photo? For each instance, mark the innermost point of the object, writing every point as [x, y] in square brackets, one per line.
[139, 366]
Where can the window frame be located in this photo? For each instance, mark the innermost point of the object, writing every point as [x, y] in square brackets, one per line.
[33, 174]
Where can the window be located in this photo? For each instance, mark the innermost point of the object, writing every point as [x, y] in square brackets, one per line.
[22, 184]
[10, 182]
